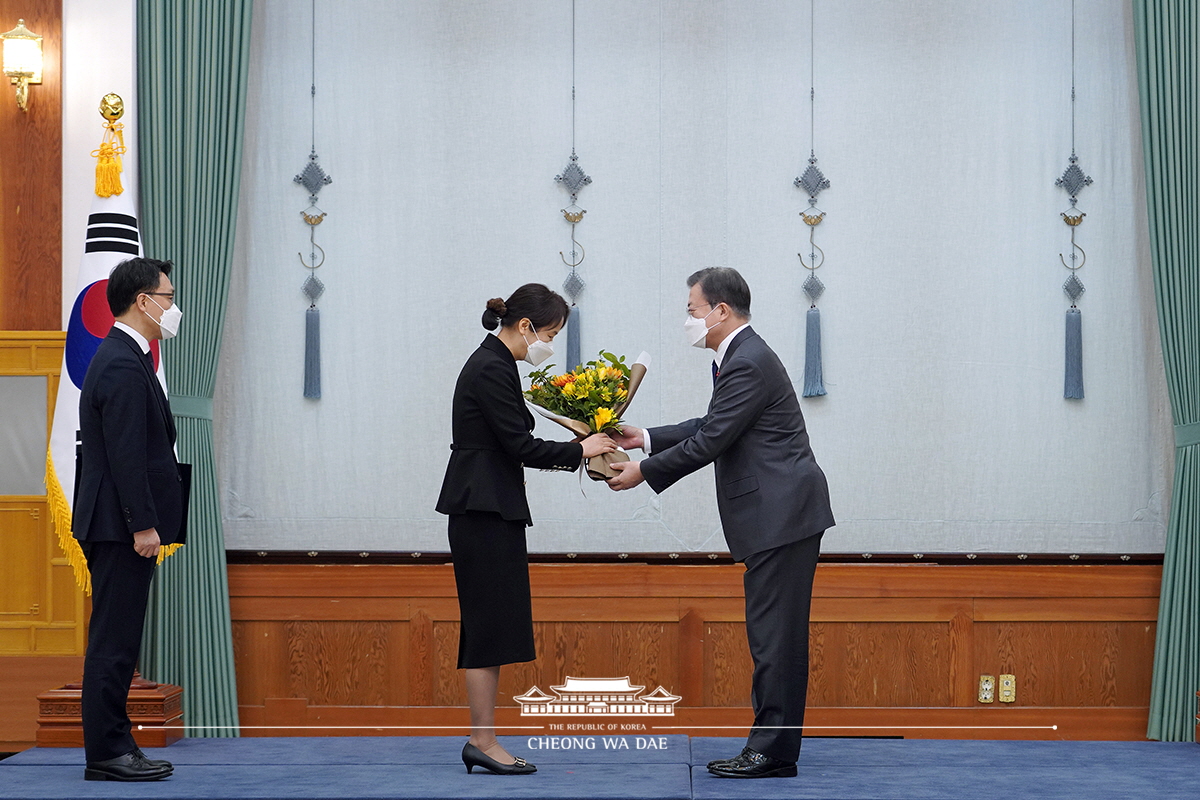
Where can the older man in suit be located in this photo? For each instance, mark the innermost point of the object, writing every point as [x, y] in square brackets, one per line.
[129, 503]
[772, 498]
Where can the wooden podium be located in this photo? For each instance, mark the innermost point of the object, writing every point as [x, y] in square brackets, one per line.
[155, 709]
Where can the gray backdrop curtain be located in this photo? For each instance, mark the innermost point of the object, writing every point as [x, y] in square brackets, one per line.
[1168, 39]
[192, 59]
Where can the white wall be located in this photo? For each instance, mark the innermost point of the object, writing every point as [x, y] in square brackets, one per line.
[98, 58]
[942, 126]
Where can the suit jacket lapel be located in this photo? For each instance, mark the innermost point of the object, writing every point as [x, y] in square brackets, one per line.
[733, 346]
[148, 368]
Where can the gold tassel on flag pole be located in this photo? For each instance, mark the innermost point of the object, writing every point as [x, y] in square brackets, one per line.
[108, 166]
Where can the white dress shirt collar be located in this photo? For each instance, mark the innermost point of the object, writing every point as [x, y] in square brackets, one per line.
[724, 345]
[137, 337]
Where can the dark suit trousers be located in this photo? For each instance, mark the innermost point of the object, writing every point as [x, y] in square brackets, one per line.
[778, 584]
[120, 589]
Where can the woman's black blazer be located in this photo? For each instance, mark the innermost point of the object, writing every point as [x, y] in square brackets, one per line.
[493, 439]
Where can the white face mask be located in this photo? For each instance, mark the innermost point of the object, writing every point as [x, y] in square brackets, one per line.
[695, 330]
[538, 351]
[171, 317]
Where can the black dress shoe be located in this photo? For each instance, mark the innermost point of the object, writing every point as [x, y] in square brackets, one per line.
[715, 762]
[154, 762]
[129, 767]
[473, 757]
[753, 764]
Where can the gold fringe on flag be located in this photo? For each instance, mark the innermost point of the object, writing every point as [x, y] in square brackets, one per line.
[60, 517]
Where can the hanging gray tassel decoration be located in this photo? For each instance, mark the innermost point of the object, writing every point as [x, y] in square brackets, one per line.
[1073, 181]
[312, 353]
[812, 182]
[814, 384]
[574, 179]
[1073, 380]
[313, 178]
[312, 338]
[573, 359]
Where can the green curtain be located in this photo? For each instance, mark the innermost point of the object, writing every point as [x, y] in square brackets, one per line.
[1167, 33]
[192, 58]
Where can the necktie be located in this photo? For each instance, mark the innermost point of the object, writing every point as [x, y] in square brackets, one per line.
[716, 372]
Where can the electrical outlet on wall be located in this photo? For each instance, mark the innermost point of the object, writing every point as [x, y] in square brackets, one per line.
[1008, 689]
[987, 688]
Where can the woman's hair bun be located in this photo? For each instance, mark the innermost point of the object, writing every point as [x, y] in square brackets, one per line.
[494, 313]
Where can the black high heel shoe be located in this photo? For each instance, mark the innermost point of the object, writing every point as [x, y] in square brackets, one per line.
[472, 756]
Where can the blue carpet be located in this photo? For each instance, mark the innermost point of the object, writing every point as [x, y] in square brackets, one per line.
[385, 751]
[936, 769]
[429, 768]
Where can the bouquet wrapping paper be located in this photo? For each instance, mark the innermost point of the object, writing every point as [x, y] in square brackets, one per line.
[582, 420]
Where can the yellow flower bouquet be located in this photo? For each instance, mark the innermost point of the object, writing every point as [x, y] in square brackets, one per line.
[589, 399]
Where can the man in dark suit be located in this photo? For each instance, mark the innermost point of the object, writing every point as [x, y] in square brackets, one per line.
[128, 504]
[773, 500]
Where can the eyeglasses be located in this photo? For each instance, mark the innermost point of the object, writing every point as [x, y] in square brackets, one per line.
[690, 309]
[163, 294]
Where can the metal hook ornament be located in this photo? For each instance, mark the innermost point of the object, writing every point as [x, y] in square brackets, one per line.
[1082, 256]
[582, 253]
[313, 256]
[813, 254]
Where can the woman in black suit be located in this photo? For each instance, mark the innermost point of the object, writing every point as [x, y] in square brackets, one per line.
[484, 495]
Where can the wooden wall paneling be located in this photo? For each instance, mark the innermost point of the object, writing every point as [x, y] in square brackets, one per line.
[341, 580]
[447, 688]
[963, 678]
[421, 656]
[634, 580]
[581, 650]
[397, 692]
[649, 653]
[31, 181]
[42, 611]
[901, 644]
[1074, 609]
[883, 664]
[22, 590]
[880, 581]
[261, 654]
[690, 673]
[519, 679]
[320, 608]
[727, 664]
[888, 609]
[1070, 663]
[340, 663]
[606, 609]
[986, 581]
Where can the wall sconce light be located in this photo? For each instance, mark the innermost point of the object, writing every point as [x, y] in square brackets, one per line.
[22, 60]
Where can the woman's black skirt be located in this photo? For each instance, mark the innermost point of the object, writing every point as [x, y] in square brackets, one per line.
[491, 570]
